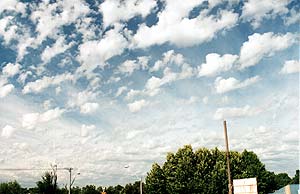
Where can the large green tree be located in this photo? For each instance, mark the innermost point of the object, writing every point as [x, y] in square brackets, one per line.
[155, 180]
[204, 171]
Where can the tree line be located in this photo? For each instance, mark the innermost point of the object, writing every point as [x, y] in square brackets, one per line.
[184, 172]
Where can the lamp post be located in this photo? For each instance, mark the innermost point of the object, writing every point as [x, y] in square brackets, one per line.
[141, 181]
[71, 181]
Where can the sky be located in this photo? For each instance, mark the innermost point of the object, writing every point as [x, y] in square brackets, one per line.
[98, 86]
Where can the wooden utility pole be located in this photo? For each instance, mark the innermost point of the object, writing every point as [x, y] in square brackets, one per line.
[227, 158]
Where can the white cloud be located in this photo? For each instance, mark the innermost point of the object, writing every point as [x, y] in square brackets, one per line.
[31, 120]
[205, 100]
[80, 98]
[261, 45]
[294, 18]
[23, 76]
[132, 93]
[169, 57]
[58, 47]
[86, 130]
[11, 69]
[117, 10]
[216, 64]
[48, 24]
[255, 11]
[291, 66]
[137, 105]
[8, 30]
[12, 5]
[129, 66]
[232, 112]
[94, 53]
[189, 32]
[226, 85]
[45, 82]
[51, 114]
[89, 107]
[5, 88]
[121, 90]
[8, 131]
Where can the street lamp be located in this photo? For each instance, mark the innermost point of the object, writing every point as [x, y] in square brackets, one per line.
[141, 181]
[71, 181]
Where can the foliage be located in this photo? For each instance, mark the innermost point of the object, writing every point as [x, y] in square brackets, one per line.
[295, 179]
[204, 171]
[156, 181]
[282, 179]
[89, 189]
[48, 184]
[11, 188]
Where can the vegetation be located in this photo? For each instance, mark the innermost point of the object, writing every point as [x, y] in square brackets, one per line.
[184, 172]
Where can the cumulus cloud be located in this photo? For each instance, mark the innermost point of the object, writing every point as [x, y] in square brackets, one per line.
[89, 107]
[93, 54]
[7, 131]
[12, 5]
[23, 76]
[45, 82]
[291, 66]
[58, 47]
[121, 90]
[255, 11]
[216, 64]
[80, 98]
[118, 10]
[11, 69]
[261, 45]
[8, 30]
[232, 112]
[48, 24]
[129, 66]
[168, 57]
[6, 89]
[229, 84]
[137, 105]
[189, 32]
[293, 18]
[31, 120]
[86, 130]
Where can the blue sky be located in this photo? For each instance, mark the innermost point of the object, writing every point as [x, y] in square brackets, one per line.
[100, 85]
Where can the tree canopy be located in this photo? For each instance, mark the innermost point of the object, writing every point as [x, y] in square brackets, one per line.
[204, 171]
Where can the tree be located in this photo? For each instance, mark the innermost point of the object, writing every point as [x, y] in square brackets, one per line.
[155, 180]
[204, 171]
[89, 189]
[11, 188]
[282, 179]
[48, 184]
[179, 171]
[295, 179]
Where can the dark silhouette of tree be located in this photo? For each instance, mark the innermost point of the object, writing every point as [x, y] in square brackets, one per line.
[48, 184]
[11, 188]
[295, 179]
